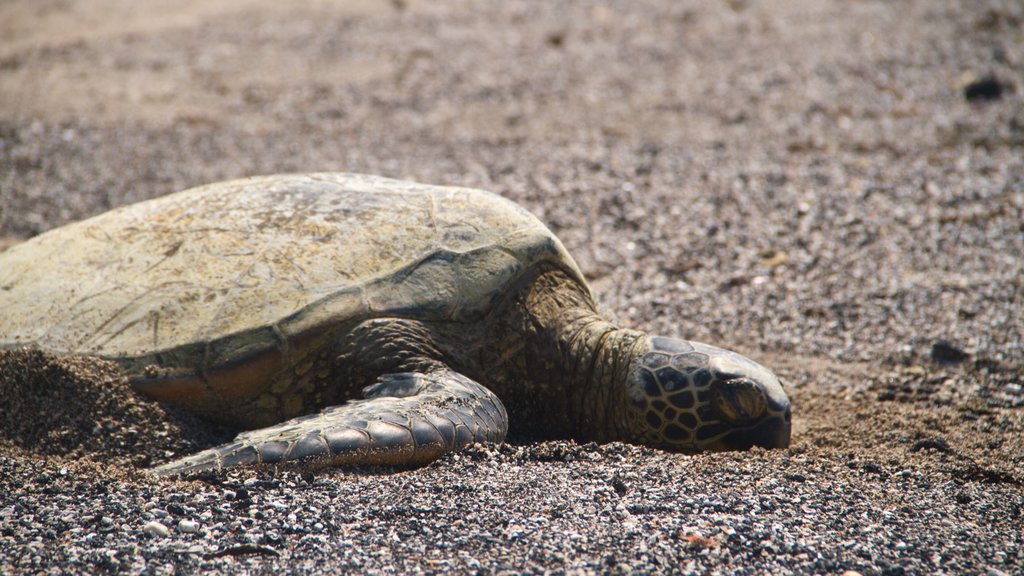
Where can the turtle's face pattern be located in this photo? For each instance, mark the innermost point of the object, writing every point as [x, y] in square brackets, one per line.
[689, 396]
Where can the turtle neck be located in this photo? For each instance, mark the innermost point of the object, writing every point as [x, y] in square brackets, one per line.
[582, 358]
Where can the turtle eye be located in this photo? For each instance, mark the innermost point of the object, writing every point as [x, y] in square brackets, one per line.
[738, 400]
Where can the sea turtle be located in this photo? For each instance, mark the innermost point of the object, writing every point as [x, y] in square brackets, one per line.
[349, 319]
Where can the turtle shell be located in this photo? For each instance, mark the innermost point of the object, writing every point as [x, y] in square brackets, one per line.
[233, 275]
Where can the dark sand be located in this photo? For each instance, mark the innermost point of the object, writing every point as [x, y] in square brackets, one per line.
[835, 188]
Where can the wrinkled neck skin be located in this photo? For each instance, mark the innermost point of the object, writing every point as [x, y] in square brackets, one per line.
[577, 362]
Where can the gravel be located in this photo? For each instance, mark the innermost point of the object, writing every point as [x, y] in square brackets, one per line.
[833, 188]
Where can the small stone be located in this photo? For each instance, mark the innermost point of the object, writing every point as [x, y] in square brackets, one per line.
[619, 485]
[775, 258]
[947, 352]
[157, 529]
[937, 444]
[986, 88]
[188, 526]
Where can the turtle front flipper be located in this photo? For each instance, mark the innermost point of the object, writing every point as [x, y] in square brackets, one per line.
[407, 419]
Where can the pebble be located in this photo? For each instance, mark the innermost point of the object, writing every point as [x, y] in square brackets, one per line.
[947, 352]
[155, 528]
[188, 526]
[986, 88]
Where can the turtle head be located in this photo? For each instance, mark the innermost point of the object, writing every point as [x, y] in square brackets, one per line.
[688, 396]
